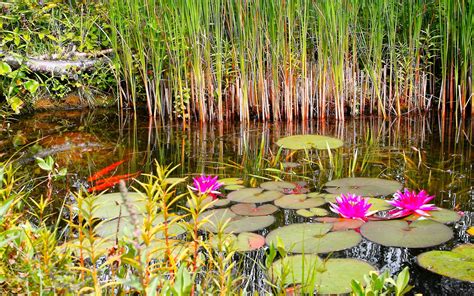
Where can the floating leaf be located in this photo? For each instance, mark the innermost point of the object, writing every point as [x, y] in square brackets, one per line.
[332, 276]
[253, 195]
[244, 242]
[441, 215]
[253, 210]
[398, 233]
[457, 264]
[231, 181]
[174, 180]
[362, 186]
[209, 202]
[339, 224]
[123, 226]
[299, 201]
[111, 205]
[277, 186]
[234, 187]
[313, 238]
[300, 142]
[234, 223]
[312, 212]
[470, 231]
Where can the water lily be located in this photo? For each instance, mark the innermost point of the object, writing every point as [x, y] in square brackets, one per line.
[352, 206]
[408, 203]
[207, 185]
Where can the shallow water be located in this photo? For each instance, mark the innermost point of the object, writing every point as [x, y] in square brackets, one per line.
[419, 152]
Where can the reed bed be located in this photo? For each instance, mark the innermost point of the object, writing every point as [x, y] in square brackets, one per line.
[293, 59]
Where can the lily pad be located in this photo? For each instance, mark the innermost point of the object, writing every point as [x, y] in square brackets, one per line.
[312, 274]
[312, 212]
[301, 142]
[378, 204]
[339, 224]
[441, 215]
[210, 202]
[234, 187]
[231, 181]
[363, 186]
[398, 233]
[244, 242]
[234, 223]
[123, 226]
[313, 238]
[457, 264]
[277, 186]
[298, 201]
[253, 195]
[111, 205]
[253, 210]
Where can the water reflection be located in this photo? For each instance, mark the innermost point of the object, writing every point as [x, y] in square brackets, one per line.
[419, 152]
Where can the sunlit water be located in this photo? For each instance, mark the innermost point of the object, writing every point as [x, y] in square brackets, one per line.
[419, 152]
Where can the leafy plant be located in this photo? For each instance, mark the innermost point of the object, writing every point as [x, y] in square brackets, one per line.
[383, 284]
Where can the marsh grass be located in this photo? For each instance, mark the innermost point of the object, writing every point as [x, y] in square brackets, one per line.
[293, 60]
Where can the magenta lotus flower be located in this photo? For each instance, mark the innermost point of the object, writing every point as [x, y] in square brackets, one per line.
[207, 185]
[352, 206]
[407, 203]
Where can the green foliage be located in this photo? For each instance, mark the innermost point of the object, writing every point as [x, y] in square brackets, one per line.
[383, 284]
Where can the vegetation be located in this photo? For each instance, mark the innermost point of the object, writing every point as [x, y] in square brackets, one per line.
[234, 59]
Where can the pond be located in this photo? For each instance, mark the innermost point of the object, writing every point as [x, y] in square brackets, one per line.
[420, 153]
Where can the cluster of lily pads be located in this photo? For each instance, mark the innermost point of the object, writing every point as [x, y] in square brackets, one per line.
[410, 222]
[406, 221]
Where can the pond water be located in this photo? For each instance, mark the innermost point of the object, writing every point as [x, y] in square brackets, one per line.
[420, 153]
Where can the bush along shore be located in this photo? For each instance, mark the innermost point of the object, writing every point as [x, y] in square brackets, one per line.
[234, 59]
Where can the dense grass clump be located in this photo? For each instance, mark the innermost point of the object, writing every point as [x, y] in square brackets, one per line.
[298, 59]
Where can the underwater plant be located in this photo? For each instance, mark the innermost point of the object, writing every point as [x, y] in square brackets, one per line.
[207, 185]
[352, 206]
[407, 203]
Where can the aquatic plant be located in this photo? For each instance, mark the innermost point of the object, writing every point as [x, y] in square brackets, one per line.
[409, 202]
[352, 206]
[207, 185]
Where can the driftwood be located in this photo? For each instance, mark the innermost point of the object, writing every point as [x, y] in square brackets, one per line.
[58, 65]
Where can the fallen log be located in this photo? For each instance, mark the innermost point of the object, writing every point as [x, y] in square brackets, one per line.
[58, 65]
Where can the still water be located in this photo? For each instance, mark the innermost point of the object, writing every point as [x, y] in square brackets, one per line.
[420, 153]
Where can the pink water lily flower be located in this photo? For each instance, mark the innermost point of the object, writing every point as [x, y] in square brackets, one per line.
[207, 185]
[408, 203]
[352, 206]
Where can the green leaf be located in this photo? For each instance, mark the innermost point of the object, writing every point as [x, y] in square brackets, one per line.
[45, 164]
[31, 86]
[357, 288]
[15, 103]
[4, 68]
[4, 207]
[402, 280]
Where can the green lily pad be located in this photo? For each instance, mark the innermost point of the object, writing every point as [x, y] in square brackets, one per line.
[244, 242]
[253, 210]
[313, 238]
[312, 212]
[231, 181]
[398, 233]
[209, 202]
[298, 201]
[111, 205]
[312, 274]
[233, 223]
[253, 195]
[441, 215]
[277, 186]
[457, 264]
[234, 187]
[339, 224]
[363, 186]
[123, 226]
[174, 180]
[301, 142]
